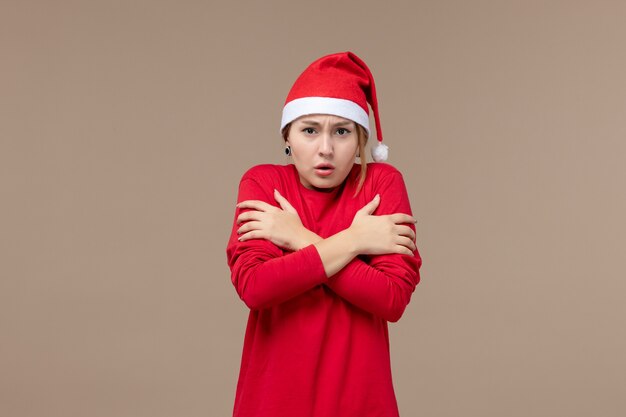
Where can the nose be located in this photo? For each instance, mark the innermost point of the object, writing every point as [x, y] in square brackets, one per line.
[326, 145]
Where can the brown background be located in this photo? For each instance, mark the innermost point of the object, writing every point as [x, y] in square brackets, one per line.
[125, 127]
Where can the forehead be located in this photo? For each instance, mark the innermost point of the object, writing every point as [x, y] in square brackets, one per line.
[322, 119]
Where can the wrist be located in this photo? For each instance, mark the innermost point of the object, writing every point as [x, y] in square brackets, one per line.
[308, 238]
[350, 241]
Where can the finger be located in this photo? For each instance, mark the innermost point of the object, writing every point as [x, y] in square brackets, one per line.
[403, 250]
[284, 204]
[406, 242]
[402, 218]
[249, 227]
[255, 204]
[249, 215]
[405, 231]
[371, 206]
[254, 234]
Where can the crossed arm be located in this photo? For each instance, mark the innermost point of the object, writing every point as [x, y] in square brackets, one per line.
[368, 234]
[264, 276]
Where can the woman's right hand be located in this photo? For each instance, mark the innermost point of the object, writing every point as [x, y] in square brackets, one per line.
[384, 234]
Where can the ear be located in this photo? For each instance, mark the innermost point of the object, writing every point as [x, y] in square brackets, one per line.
[285, 132]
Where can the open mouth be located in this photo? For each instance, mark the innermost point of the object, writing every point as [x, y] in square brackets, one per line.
[324, 166]
[324, 170]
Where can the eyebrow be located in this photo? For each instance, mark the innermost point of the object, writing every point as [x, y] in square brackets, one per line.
[314, 123]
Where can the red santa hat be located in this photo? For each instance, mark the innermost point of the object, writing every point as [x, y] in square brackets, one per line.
[340, 84]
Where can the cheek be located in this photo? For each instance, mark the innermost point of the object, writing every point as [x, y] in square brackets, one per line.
[302, 157]
[349, 150]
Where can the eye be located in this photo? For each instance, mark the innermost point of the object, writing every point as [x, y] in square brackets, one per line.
[308, 130]
[343, 131]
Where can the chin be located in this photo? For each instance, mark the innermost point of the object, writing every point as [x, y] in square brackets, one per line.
[322, 185]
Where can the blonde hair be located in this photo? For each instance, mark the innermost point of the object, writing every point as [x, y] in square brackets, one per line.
[362, 137]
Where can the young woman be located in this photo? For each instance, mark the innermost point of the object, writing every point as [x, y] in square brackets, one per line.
[323, 253]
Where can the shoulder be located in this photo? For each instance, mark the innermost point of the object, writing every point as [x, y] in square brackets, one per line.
[383, 178]
[388, 181]
[378, 172]
[266, 173]
[259, 182]
[381, 168]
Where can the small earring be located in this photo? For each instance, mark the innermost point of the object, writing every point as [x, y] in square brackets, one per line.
[288, 150]
[358, 154]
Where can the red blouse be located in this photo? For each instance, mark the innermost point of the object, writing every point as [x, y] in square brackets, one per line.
[318, 346]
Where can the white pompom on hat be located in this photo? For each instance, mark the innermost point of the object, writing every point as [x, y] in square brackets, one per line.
[340, 84]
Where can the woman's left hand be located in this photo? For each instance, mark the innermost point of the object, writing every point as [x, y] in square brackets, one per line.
[281, 226]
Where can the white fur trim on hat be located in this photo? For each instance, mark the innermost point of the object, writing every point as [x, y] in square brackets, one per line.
[324, 105]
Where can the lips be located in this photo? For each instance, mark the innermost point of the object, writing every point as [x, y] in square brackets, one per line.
[324, 169]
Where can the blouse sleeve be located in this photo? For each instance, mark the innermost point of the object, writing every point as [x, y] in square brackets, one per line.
[264, 275]
[382, 284]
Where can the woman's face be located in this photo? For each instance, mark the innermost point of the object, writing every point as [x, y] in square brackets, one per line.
[323, 148]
